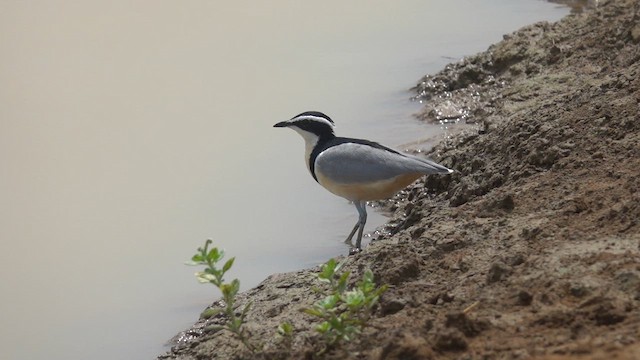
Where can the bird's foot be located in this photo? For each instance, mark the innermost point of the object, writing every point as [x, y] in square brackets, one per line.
[354, 251]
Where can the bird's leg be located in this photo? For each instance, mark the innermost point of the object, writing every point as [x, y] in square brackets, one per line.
[348, 241]
[356, 227]
[362, 210]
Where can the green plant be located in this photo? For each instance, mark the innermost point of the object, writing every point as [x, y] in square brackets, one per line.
[344, 312]
[285, 330]
[215, 275]
[285, 333]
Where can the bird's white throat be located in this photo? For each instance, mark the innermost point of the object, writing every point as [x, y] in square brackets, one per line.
[310, 141]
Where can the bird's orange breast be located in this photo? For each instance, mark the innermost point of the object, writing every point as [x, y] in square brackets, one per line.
[377, 190]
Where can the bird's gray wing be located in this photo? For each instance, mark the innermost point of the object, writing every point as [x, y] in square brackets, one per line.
[352, 162]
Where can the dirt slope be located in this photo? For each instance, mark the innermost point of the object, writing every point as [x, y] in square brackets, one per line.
[532, 248]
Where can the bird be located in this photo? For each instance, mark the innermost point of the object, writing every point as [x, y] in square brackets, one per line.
[356, 169]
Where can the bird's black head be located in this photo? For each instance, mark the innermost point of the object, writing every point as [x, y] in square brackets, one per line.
[312, 122]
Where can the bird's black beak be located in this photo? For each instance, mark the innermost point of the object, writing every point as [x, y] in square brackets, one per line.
[282, 124]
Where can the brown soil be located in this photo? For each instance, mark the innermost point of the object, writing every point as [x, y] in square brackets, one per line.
[531, 250]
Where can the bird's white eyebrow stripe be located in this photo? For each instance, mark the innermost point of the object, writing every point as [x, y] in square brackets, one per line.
[315, 114]
[311, 118]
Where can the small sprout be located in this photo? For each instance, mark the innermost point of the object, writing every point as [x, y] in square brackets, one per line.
[354, 298]
[215, 275]
[323, 327]
[285, 332]
[344, 312]
[285, 329]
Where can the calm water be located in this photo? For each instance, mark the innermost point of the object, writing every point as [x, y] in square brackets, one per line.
[132, 132]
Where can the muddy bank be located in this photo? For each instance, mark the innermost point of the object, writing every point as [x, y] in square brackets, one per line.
[532, 248]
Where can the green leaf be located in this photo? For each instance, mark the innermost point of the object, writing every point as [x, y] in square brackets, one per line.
[327, 270]
[383, 288]
[367, 284]
[235, 324]
[329, 302]
[203, 277]
[323, 327]
[225, 289]
[342, 282]
[339, 266]
[245, 310]
[349, 331]
[230, 290]
[228, 265]
[285, 329]
[354, 298]
[215, 255]
[313, 312]
[213, 328]
[212, 271]
[235, 286]
[336, 323]
[210, 312]
[367, 277]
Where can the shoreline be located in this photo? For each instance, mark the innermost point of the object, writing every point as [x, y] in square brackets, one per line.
[535, 228]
